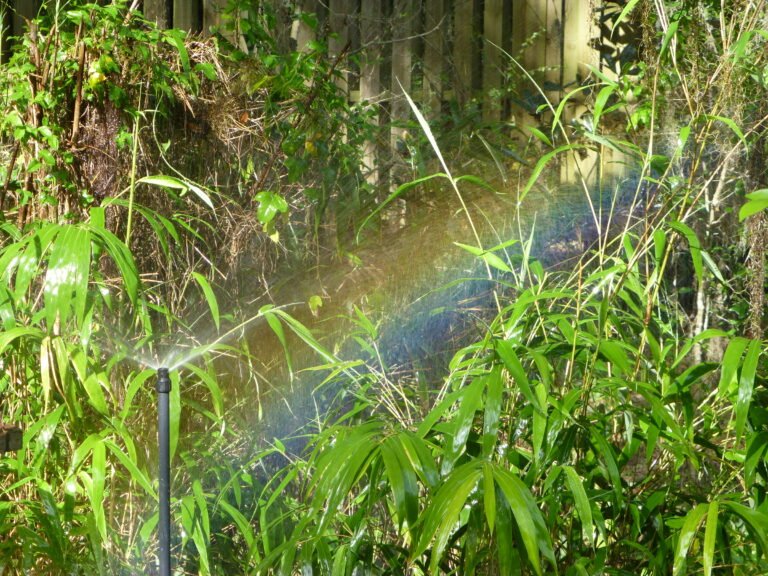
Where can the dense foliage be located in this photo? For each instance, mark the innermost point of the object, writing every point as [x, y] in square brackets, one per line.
[608, 418]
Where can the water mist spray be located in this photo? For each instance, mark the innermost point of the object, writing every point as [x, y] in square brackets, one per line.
[164, 471]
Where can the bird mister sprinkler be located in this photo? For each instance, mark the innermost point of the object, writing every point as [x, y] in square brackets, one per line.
[164, 469]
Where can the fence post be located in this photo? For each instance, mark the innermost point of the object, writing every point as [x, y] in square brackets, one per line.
[186, 15]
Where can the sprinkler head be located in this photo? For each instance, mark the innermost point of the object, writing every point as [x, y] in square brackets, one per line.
[163, 380]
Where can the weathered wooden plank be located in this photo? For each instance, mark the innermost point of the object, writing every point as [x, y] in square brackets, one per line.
[435, 22]
[158, 11]
[580, 27]
[339, 17]
[23, 10]
[6, 23]
[10, 438]
[370, 72]
[302, 32]
[553, 57]
[212, 14]
[187, 15]
[403, 29]
[466, 56]
[493, 38]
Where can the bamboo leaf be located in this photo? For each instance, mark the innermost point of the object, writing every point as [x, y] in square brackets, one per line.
[693, 244]
[583, 509]
[746, 385]
[402, 189]
[730, 363]
[442, 517]
[710, 537]
[542, 163]
[489, 496]
[528, 518]
[96, 493]
[755, 520]
[210, 297]
[685, 537]
[752, 207]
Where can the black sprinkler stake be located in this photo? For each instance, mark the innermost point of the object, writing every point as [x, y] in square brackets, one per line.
[164, 472]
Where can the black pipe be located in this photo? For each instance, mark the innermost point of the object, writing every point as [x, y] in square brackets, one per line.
[164, 472]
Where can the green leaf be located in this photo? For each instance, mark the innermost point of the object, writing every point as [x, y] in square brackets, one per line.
[730, 363]
[757, 448]
[542, 163]
[752, 207]
[693, 244]
[136, 475]
[66, 280]
[270, 204]
[583, 509]
[528, 518]
[471, 399]
[730, 123]
[600, 101]
[441, 518]
[756, 520]
[685, 537]
[506, 352]
[402, 189]
[710, 537]
[489, 496]
[746, 385]
[210, 297]
[96, 492]
[628, 8]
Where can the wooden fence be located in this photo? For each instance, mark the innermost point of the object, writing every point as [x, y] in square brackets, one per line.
[502, 56]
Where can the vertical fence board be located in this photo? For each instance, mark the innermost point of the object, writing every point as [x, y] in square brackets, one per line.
[212, 14]
[579, 29]
[23, 10]
[466, 58]
[340, 13]
[493, 39]
[402, 56]
[157, 11]
[6, 23]
[302, 32]
[434, 55]
[186, 15]
[370, 72]
[553, 57]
